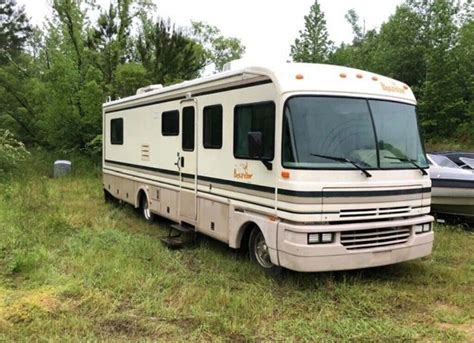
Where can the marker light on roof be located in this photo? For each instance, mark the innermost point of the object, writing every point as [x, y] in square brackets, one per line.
[343, 75]
[405, 86]
[375, 78]
[359, 76]
[299, 76]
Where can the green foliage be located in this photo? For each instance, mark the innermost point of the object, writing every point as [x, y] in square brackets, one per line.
[54, 80]
[359, 32]
[427, 44]
[14, 30]
[464, 56]
[128, 78]
[168, 55]
[20, 99]
[313, 44]
[51, 93]
[12, 151]
[218, 49]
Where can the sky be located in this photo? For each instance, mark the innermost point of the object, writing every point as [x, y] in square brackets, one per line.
[267, 28]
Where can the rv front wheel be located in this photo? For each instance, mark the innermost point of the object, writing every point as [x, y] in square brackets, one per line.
[145, 209]
[259, 251]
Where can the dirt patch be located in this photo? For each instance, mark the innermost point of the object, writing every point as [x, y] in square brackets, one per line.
[136, 326]
[237, 338]
[49, 304]
[467, 329]
[123, 326]
[447, 308]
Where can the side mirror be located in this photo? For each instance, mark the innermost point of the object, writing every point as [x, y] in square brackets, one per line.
[255, 144]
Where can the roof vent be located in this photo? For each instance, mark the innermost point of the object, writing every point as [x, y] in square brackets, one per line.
[148, 88]
[247, 62]
[239, 64]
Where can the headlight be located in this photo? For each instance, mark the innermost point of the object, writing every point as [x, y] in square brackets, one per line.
[320, 238]
[422, 228]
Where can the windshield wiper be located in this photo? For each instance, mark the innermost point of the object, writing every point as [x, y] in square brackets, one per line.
[409, 161]
[346, 160]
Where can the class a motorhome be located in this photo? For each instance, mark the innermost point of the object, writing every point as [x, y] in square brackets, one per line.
[311, 167]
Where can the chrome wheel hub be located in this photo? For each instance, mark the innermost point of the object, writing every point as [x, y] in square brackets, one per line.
[261, 251]
[146, 210]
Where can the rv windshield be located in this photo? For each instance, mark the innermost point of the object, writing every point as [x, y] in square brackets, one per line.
[372, 133]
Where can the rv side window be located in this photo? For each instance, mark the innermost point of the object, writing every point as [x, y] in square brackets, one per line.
[188, 129]
[170, 123]
[258, 117]
[116, 131]
[212, 127]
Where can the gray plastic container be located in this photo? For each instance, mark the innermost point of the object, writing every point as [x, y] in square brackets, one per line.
[62, 168]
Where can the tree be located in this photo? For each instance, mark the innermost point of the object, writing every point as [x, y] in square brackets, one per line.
[19, 90]
[105, 41]
[72, 113]
[443, 96]
[17, 110]
[427, 44]
[313, 44]
[15, 30]
[111, 38]
[12, 151]
[129, 77]
[360, 53]
[218, 49]
[168, 55]
[399, 48]
[359, 31]
[465, 56]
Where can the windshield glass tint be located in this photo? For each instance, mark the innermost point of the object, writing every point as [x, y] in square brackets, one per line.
[443, 161]
[333, 127]
[397, 134]
[342, 128]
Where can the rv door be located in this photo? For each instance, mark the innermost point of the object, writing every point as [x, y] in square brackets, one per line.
[188, 162]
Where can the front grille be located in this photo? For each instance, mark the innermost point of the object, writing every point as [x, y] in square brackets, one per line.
[374, 238]
[374, 212]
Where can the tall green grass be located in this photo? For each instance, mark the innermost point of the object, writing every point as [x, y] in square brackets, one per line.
[73, 267]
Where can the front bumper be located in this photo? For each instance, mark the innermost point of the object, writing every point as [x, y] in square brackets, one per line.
[296, 254]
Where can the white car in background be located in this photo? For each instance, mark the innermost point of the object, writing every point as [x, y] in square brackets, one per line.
[452, 188]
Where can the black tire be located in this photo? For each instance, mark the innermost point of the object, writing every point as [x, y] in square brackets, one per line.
[145, 210]
[258, 252]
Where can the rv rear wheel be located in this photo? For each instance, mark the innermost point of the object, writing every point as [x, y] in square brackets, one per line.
[145, 209]
[259, 251]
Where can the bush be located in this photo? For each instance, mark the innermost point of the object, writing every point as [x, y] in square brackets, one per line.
[93, 148]
[12, 151]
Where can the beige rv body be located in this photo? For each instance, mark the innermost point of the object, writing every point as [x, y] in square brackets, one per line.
[222, 196]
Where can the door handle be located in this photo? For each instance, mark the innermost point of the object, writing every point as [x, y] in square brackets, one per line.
[177, 162]
[182, 161]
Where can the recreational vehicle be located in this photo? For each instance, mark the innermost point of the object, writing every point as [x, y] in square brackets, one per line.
[311, 167]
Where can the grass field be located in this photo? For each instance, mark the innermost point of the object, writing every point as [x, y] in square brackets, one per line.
[73, 267]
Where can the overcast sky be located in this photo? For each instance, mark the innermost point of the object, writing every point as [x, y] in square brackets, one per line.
[266, 27]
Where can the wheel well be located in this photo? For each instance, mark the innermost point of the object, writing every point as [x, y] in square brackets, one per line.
[246, 229]
[140, 195]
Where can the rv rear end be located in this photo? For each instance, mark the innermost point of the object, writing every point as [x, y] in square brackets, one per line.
[334, 179]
